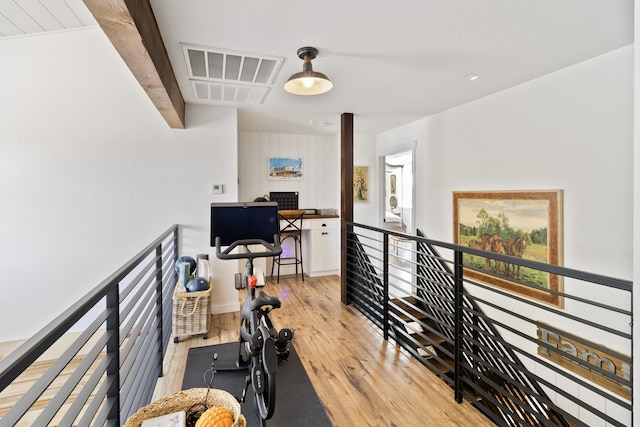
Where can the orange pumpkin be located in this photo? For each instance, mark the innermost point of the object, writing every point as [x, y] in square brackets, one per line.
[215, 417]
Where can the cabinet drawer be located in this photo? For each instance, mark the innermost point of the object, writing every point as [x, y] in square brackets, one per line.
[323, 224]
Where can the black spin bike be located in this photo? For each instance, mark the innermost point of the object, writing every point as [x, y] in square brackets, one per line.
[262, 347]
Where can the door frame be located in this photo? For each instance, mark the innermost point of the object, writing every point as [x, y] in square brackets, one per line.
[382, 154]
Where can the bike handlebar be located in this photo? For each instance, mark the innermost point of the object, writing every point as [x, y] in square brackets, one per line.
[273, 249]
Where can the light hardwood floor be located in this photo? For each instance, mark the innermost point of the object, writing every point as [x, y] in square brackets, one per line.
[361, 379]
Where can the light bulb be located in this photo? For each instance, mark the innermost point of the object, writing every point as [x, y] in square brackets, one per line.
[308, 82]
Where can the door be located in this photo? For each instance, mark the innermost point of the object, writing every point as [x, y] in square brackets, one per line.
[398, 192]
[398, 212]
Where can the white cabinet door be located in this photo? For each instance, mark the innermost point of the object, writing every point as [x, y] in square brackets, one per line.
[325, 246]
[332, 240]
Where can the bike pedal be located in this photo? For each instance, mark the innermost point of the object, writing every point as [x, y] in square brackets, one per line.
[285, 334]
[256, 342]
[282, 343]
[283, 356]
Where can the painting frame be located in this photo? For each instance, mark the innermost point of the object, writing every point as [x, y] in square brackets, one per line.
[537, 218]
[361, 184]
[286, 168]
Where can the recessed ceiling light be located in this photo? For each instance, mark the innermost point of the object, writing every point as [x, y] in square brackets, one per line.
[471, 77]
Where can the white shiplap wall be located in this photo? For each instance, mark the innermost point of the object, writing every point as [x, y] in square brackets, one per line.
[320, 185]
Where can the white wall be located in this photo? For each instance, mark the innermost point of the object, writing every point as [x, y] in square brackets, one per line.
[90, 174]
[364, 154]
[319, 187]
[570, 130]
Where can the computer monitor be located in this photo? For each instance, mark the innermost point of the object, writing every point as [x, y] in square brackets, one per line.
[244, 220]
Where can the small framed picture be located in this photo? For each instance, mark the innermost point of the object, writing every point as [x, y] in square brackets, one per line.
[361, 184]
[285, 168]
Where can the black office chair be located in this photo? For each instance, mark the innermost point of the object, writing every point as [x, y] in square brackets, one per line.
[291, 230]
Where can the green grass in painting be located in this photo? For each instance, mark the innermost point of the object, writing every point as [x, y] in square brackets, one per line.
[534, 252]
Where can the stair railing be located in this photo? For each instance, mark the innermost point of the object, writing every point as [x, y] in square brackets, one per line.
[519, 361]
[113, 343]
[475, 325]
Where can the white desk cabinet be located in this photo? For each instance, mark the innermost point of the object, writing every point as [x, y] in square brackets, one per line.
[324, 246]
[320, 248]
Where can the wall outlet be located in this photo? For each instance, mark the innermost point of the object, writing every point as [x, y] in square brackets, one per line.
[216, 188]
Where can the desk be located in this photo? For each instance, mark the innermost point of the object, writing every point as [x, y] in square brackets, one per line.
[320, 247]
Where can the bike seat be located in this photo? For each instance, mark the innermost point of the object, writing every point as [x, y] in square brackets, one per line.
[263, 299]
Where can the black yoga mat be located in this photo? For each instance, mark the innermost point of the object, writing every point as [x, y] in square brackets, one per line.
[297, 403]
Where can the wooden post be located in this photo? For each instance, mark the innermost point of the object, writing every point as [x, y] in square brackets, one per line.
[346, 191]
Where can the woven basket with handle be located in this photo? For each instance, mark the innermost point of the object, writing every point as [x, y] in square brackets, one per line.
[182, 400]
[191, 312]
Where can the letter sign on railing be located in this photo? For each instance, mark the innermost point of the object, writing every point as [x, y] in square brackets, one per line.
[611, 361]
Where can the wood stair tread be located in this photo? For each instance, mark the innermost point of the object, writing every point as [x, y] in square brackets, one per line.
[407, 305]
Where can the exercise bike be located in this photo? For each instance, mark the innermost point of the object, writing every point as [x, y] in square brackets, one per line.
[261, 346]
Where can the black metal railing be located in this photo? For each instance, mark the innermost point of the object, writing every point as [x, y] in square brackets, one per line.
[522, 353]
[112, 344]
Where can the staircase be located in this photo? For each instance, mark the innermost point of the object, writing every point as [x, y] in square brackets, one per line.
[421, 334]
[490, 375]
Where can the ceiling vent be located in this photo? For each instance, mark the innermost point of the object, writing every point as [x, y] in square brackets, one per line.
[220, 92]
[218, 75]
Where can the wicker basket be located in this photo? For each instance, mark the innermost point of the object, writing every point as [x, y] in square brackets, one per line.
[191, 313]
[182, 400]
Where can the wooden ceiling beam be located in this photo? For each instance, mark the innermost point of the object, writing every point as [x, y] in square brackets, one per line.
[132, 29]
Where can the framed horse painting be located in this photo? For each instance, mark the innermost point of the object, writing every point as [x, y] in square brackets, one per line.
[522, 224]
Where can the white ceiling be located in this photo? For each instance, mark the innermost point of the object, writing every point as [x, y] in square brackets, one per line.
[391, 61]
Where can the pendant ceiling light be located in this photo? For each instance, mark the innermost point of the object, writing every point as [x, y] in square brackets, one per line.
[308, 82]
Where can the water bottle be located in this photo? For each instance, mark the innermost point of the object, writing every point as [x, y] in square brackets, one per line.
[183, 277]
[203, 267]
